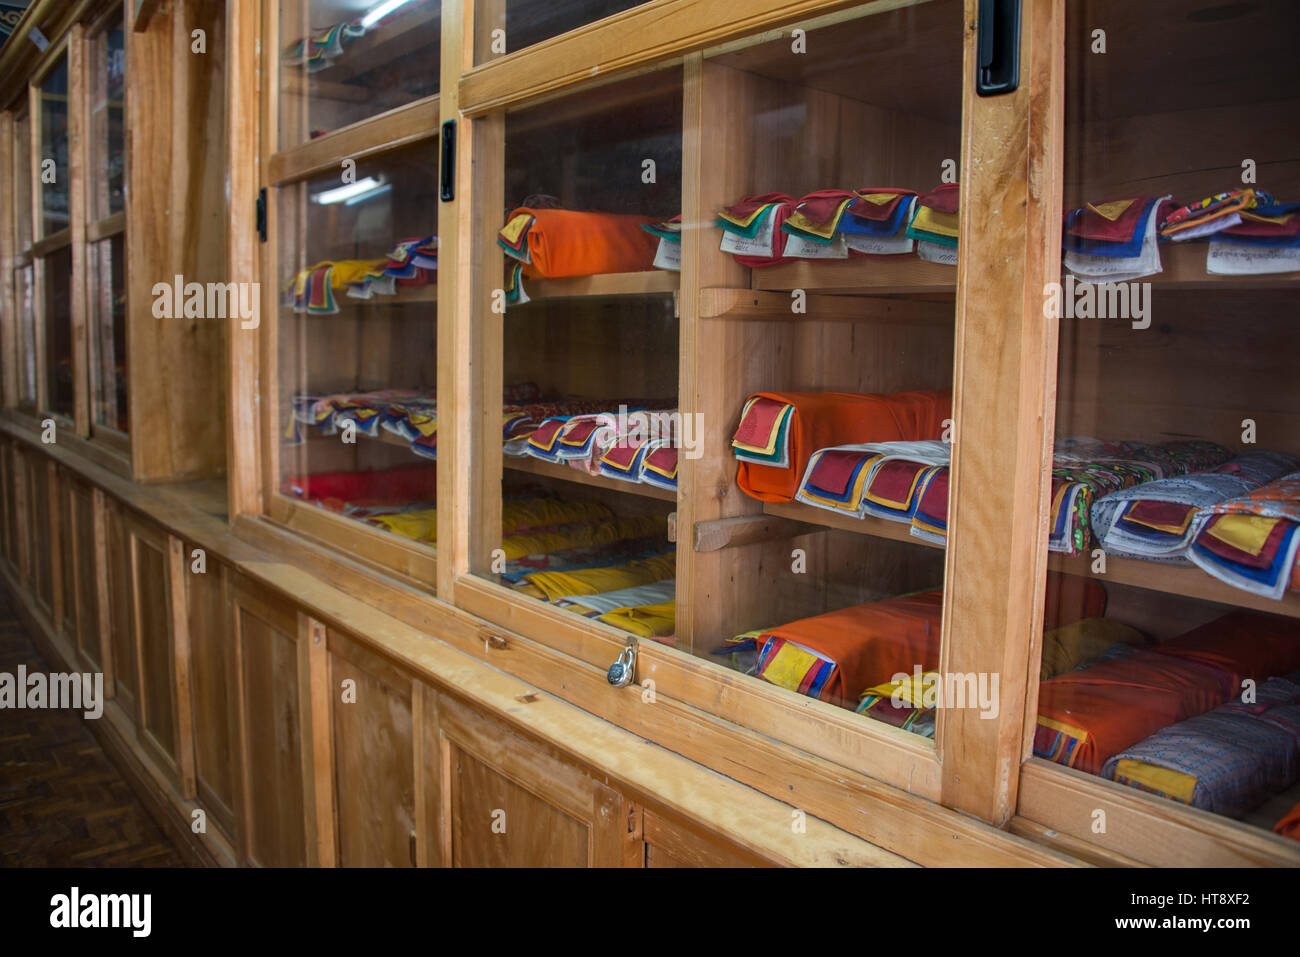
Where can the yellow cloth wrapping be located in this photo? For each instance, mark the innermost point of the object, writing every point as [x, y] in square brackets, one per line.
[1069, 646]
[595, 581]
[646, 621]
[600, 533]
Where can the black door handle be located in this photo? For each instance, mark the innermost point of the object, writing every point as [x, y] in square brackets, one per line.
[998, 36]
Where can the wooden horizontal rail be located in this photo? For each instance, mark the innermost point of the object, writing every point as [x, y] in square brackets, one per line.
[746, 530]
[757, 304]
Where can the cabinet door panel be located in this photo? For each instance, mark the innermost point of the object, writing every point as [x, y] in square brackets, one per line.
[506, 802]
[153, 639]
[85, 562]
[374, 761]
[121, 614]
[270, 731]
[212, 662]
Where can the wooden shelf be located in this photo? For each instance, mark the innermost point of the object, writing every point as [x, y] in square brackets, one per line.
[655, 282]
[1174, 580]
[568, 474]
[719, 302]
[1184, 268]
[1155, 576]
[875, 527]
[405, 295]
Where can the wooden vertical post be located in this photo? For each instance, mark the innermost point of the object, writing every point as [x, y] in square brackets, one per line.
[1005, 354]
[78, 144]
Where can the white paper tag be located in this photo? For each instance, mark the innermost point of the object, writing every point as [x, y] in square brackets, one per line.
[1238, 259]
[760, 245]
[936, 253]
[669, 255]
[796, 247]
[879, 245]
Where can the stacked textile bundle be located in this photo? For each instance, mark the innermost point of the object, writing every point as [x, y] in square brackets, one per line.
[774, 228]
[583, 440]
[1251, 542]
[558, 243]
[934, 225]
[1249, 233]
[412, 262]
[1085, 469]
[669, 233]
[842, 655]
[779, 431]
[634, 596]
[1086, 717]
[1116, 240]
[1226, 761]
[1154, 520]
[340, 491]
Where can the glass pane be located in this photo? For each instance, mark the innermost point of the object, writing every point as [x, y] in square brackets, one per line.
[1176, 474]
[107, 101]
[590, 330]
[358, 342]
[25, 291]
[54, 171]
[345, 60]
[23, 180]
[525, 22]
[108, 332]
[59, 390]
[844, 186]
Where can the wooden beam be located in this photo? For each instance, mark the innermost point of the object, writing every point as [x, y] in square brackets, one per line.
[243, 432]
[746, 530]
[649, 33]
[144, 11]
[996, 559]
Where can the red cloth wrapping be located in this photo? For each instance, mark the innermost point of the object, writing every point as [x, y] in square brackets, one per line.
[824, 419]
[1289, 826]
[395, 486]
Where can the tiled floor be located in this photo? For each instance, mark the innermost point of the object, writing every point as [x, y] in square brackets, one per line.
[62, 802]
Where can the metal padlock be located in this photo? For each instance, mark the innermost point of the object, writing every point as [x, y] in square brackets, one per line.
[623, 670]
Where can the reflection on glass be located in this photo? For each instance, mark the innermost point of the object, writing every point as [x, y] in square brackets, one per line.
[525, 22]
[25, 292]
[22, 185]
[358, 353]
[342, 61]
[60, 392]
[108, 333]
[1177, 449]
[54, 172]
[108, 90]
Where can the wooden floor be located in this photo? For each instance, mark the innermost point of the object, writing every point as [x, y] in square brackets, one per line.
[62, 802]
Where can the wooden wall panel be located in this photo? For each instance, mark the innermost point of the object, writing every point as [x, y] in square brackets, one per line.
[669, 842]
[121, 618]
[270, 730]
[85, 569]
[374, 758]
[40, 573]
[212, 681]
[153, 641]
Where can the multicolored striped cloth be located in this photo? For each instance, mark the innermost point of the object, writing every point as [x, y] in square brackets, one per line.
[1227, 761]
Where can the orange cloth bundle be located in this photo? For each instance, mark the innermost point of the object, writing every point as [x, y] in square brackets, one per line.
[786, 428]
[1086, 716]
[554, 243]
[836, 656]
